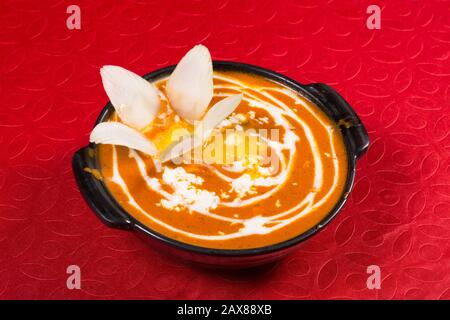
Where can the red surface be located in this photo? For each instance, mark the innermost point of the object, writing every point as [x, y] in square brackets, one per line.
[397, 78]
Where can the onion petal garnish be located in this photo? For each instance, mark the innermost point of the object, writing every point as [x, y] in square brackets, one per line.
[190, 86]
[119, 134]
[219, 112]
[135, 100]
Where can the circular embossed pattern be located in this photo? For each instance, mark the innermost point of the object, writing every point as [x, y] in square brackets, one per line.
[397, 78]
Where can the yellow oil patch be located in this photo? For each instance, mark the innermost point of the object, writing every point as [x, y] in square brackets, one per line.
[162, 138]
[96, 173]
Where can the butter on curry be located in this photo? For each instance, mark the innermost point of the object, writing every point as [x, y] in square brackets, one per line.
[246, 200]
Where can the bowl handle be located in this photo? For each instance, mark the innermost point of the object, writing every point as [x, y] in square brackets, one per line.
[344, 114]
[95, 192]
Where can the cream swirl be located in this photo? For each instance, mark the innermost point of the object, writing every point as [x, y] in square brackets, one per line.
[261, 98]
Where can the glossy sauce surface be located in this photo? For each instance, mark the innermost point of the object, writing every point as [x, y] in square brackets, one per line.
[236, 205]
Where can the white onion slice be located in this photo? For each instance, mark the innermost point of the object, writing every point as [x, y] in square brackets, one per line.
[190, 86]
[220, 111]
[119, 134]
[135, 100]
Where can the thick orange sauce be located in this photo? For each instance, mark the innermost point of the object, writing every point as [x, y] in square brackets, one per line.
[312, 182]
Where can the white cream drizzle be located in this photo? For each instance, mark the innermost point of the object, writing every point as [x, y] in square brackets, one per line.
[279, 112]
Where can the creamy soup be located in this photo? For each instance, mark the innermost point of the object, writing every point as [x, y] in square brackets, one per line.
[241, 202]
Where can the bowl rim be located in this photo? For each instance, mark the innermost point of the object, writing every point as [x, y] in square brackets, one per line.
[136, 225]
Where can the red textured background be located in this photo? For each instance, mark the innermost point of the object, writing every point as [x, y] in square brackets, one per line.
[397, 78]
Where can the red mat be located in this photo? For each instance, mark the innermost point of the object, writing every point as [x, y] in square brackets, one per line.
[397, 78]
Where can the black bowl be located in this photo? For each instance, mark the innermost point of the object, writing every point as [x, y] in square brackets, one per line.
[112, 214]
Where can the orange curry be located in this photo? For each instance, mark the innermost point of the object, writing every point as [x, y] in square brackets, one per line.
[241, 202]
